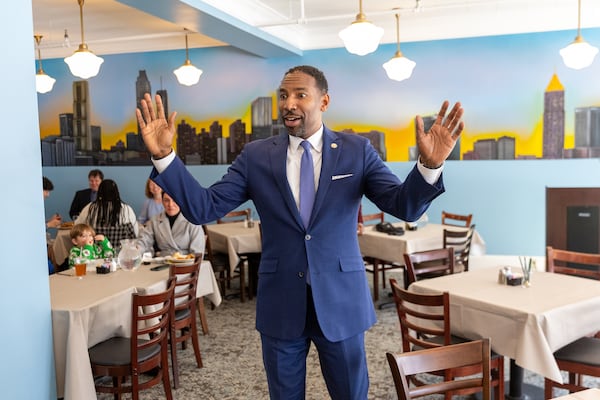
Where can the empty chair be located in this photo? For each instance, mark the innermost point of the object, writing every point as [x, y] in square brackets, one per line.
[425, 323]
[428, 264]
[471, 354]
[146, 350]
[456, 219]
[585, 265]
[581, 357]
[460, 241]
[183, 326]
[235, 216]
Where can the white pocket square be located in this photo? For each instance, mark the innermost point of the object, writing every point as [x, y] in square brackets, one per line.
[336, 177]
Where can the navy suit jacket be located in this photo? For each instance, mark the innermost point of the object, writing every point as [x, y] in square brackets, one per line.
[81, 199]
[329, 248]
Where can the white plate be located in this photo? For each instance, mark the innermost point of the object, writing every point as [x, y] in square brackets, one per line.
[172, 260]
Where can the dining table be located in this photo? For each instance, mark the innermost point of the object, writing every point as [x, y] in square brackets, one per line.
[235, 239]
[61, 244]
[96, 307]
[389, 249]
[525, 323]
[588, 394]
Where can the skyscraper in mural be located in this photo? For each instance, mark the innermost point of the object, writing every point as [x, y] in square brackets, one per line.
[554, 119]
[587, 132]
[262, 118]
[142, 86]
[81, 116]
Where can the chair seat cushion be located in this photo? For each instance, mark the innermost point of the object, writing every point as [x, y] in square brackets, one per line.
[585, 351]
[181, 314]
[116, 351]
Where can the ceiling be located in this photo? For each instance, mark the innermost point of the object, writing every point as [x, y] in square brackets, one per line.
[274, 28]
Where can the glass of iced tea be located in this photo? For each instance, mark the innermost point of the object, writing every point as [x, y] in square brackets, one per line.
[80, 267]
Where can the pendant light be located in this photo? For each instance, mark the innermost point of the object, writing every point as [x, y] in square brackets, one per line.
[579, 54]
[361, 37]
[399, 67]
[83, 63]
[43, 82]
[187, 74]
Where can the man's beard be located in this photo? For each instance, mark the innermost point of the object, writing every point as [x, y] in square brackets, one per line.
[298, 131]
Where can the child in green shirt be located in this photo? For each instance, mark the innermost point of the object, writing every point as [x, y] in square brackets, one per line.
[88, 245]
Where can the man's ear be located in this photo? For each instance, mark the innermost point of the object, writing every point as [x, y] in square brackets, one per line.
[324, 102]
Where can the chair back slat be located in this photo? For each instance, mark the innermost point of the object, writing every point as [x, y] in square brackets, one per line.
[456, 219]
[474, 353]
[585, 265]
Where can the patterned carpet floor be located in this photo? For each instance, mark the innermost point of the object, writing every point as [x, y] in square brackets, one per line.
[233, 369]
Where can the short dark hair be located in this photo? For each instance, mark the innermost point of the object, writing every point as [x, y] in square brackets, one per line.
[47, 184]
[314, 72]
[96, 172]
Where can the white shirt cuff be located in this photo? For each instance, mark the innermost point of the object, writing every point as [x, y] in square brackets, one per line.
[164, 162]
[431, 176]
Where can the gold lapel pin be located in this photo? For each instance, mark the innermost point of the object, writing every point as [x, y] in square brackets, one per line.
[334, 145]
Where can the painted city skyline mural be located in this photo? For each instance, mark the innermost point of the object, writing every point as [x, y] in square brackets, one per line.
[520, 101]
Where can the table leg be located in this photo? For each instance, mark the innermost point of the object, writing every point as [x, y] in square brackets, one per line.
[518, 390]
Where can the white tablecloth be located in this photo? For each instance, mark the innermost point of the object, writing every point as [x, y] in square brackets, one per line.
[589, 394]
[62, 245]
[525, 324]
[392, 248]
[234, 238]
[89, 310]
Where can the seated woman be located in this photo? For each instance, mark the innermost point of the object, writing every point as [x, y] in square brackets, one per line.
[109, 215]
[153, 203]
[169, 232]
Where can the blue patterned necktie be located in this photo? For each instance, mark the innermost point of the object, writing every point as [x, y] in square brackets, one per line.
[307, 183]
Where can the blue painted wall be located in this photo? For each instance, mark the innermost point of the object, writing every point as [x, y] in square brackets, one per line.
[27, 367]
[507, 198]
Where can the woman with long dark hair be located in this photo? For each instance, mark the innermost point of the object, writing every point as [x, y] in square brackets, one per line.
[109, 215]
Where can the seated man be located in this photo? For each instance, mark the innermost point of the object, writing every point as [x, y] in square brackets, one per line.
[85, 196]
[169, 232]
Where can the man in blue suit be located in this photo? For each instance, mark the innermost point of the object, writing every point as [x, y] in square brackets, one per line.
[312, 285]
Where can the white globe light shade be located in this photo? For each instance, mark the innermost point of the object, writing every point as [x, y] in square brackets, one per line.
[399, 68]
[361, 37]
[187, 74]
[83, 63]
[43, 82]
[579, 54]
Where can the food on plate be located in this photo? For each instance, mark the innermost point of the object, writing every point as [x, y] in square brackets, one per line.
[178, 256]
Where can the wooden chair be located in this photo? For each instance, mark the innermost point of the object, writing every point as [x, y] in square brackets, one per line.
[425, 324]
[456, 219]
[378, 265]
[146, 350]
[220, 264]
[473, 354]
[582, 357]
[235, 216]
[183, 325]
[585, 265]
[428, 264]
[461, 242]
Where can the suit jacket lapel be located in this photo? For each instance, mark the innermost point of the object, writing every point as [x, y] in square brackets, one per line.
[331, 152]
[278, 157]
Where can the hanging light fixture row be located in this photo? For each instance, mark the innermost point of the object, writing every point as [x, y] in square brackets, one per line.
[362, 38]
[579, 54]
[83, 63]
[187, 74]
[43, 82]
